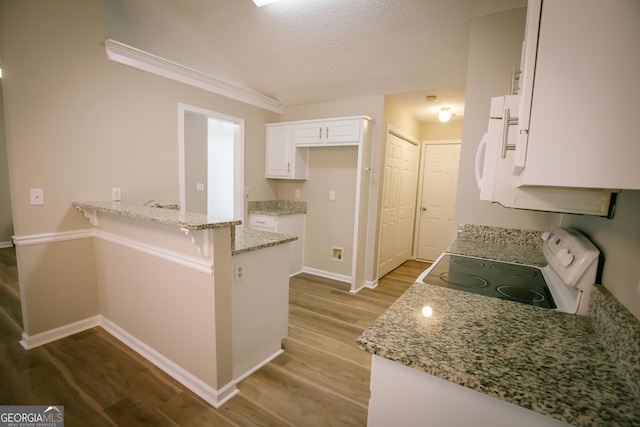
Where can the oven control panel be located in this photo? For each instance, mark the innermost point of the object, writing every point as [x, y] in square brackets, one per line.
[571, 255]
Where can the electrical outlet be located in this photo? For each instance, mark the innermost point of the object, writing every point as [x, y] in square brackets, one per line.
[332, 195]
[246, 192]
[115, 195]
[36, 196]
[297, 193]
[199, 186]
[238, 275]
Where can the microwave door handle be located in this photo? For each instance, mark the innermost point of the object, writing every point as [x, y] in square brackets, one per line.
[480, 154]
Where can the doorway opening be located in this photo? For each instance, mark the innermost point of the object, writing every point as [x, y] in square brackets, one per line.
[211, 152]
[436, 198]
[418, 199]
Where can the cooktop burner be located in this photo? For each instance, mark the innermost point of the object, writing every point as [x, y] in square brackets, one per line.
[495, 279]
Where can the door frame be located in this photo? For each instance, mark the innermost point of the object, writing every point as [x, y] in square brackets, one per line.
[238, 155]
[402, 135]
[421, 185]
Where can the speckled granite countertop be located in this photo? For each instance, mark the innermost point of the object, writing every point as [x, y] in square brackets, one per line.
[243, 240]
[188, 220]
[251, 240]
[277, 207]
[554, 363]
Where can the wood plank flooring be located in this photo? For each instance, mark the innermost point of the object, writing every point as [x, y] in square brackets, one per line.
[321, 379]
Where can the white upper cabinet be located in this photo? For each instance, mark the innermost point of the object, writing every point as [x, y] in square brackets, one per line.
[335, 132]
[282, 159]
[580, 88]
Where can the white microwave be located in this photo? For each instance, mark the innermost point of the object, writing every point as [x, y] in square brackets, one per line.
[494, 171]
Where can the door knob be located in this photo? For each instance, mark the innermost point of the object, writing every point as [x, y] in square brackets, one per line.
[423, 209]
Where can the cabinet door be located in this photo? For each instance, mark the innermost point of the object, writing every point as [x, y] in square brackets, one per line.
[308, 134]
[584, 105]
[342, 132]
[279, 153]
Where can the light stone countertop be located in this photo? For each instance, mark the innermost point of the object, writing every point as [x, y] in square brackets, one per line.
[251, 240]
[188, 220]
[564, 366]
[243, 240]
[550, 362]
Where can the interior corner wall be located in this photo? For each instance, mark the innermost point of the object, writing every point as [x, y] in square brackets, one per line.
[325, 166]
[494, 49]
[6, 218]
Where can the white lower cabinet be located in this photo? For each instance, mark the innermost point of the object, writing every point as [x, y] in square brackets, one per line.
[403, 396]
[292, 225]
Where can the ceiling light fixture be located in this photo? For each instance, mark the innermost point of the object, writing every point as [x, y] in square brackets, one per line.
[444, 115]
[263, 2]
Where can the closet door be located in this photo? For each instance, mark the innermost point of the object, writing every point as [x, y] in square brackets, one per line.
[398, 203]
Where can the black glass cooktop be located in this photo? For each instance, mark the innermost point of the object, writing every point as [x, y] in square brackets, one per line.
[512, 282]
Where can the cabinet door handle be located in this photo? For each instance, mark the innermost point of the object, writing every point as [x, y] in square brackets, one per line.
[320, 132]
[326, 134]
[507, 121]
[288, 167]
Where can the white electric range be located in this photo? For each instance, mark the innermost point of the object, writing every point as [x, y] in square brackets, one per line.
[564, 284]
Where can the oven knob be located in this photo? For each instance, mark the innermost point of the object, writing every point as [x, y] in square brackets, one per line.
[565, 257]
[546, 235]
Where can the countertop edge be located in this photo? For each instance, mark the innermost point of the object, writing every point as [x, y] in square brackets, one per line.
[186, 220]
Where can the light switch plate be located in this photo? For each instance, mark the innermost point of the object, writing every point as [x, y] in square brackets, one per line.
[36, 196]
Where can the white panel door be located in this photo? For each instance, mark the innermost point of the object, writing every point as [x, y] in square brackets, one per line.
[437, 199]
[398, 203]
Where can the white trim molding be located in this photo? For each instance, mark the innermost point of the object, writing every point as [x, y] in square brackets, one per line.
[194, 263]
[145, 61]
[6, 244]
[32, 341]
[61, 236]
[327, 274]
[214, 397]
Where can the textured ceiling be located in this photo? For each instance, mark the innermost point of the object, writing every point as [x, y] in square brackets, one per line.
[305, 51]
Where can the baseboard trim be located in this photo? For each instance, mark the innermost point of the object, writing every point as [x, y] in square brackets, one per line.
[327, 274]
[214, 397]
[8, 244]
[32, 341]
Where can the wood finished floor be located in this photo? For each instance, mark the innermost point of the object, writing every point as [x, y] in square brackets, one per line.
[321, 379]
